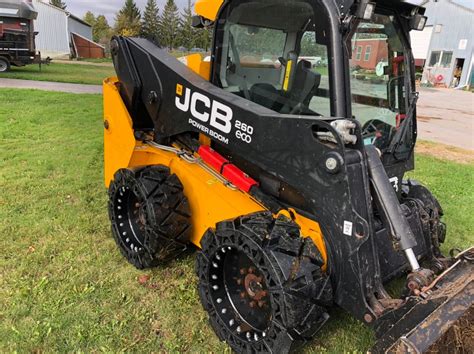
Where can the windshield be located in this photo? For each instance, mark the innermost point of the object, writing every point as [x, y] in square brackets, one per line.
[378, 80]
[273, 54]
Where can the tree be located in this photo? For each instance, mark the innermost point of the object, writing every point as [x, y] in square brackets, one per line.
[151, 21]
[127, 20]
[58, 3]
[187, 33]
[89, 18]
[309, 47]
[101, 29]
[204, 38]
[169, 25]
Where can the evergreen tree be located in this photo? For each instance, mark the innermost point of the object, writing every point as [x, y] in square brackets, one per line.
[127, 20]
[169, 25]
[151, 21]
[58, 3]
[204, 38]
[89, 18]
[101, 30]
[187, 33]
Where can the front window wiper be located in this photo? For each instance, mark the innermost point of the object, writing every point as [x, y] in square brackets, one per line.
[401, 133]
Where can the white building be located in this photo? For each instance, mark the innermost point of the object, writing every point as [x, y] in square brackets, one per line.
[446, 46]
[55, 27]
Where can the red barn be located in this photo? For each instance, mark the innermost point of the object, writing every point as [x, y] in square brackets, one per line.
[368, 52]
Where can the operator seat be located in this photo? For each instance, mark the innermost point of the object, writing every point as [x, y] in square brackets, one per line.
[266, 95]
[304, 86]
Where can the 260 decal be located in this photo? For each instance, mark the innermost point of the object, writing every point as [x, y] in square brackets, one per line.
[218, 115]
[243, 132]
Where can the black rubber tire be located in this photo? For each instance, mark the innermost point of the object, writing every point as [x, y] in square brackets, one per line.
[296, 288]
[413, 190]
[150, 215]
[4, 65]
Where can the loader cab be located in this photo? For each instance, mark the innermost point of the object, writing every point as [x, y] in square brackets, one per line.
[290, 58]
[275, 54]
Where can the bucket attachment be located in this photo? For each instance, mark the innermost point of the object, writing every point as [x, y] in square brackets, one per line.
[439, 320]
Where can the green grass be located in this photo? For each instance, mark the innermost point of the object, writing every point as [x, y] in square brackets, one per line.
[96, 60]
[65, 287]
[72, 73]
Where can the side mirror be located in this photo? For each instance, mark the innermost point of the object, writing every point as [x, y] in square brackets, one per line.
[418, 22]
[365, 10]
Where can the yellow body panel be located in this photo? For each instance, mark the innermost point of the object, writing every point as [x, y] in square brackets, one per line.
[208, 8]
[210, 200]
[200, 67]
[119, 141]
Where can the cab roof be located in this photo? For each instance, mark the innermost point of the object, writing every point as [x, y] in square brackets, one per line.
[209, 9]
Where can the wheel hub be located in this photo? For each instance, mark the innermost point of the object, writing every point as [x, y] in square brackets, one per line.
[254, 287]
[239, 293]
[132, 218]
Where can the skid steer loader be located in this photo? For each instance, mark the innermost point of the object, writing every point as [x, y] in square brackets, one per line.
[282, 158]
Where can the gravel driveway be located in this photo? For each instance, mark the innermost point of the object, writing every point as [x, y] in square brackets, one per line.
[50, 86]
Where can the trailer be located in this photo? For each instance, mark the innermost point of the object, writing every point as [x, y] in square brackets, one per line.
[17, 34]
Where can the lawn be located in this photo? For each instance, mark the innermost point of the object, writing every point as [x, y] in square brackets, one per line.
[57, 72]
[63, 284]
[96, 60]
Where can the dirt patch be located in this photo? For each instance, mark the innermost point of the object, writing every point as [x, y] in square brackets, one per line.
[445, 152]
[426, 118]
[459, 338]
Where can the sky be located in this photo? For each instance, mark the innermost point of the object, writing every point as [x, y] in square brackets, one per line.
[108, 7]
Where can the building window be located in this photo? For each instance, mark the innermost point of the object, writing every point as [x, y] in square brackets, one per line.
[434, 59]
[359, 52]
[368, 50]
[446, 59]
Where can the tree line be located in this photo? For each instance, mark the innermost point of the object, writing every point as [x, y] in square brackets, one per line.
[169, 27]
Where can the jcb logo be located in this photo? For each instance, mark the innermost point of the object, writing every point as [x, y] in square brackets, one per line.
[202, 108]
